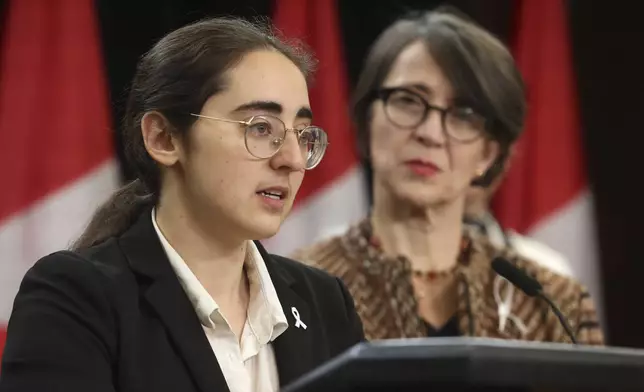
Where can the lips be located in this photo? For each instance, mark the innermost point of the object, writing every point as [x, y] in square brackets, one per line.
[422, 167]
[275, 193]
[273, 199]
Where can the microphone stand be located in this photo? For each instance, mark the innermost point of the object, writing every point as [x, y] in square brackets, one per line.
[559, 315]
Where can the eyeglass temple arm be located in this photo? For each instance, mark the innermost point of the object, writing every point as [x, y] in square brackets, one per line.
[221, 119]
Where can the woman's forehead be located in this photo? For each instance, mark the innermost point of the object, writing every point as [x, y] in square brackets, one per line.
[265, 76]
[415, 66]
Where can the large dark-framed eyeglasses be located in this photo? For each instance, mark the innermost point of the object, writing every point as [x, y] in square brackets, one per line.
[407, 109]
[264, 136]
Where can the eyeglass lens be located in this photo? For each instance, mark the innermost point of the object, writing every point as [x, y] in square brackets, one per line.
[265, 135]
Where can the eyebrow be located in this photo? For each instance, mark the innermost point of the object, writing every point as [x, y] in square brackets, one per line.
[273, 108]
[455, 101]
[421, 87]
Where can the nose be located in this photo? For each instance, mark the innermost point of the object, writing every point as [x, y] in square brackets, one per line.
[430, 131]
[290, 155]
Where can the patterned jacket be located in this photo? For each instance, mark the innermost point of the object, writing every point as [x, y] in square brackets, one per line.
[384, 296]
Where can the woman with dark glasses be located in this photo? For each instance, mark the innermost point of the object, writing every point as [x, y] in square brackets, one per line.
[438, 107]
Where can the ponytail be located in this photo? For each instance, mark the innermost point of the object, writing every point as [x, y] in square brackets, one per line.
[116, 215]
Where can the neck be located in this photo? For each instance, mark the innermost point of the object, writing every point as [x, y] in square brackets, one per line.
[430, 238]
[216, 259]
[476, 208]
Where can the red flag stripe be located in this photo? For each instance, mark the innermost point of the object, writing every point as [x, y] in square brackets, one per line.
[316, 24]
[3, 338]
[547, 171]
[52, 99]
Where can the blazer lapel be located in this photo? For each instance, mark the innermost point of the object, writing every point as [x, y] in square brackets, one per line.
[295, 352]
[165, 294]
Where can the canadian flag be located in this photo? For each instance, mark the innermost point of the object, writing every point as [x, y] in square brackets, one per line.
[56, 150]
[546, 193]
[334, 194]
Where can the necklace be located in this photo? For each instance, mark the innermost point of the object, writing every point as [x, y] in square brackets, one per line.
[432, 275]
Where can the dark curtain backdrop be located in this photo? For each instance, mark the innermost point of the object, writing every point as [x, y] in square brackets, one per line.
[607, 39]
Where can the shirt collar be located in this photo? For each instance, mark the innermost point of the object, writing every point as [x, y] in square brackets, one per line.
[265, 315]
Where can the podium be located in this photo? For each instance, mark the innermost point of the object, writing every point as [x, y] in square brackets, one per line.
[476, 364]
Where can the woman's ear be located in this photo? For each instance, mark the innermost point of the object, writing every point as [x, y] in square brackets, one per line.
[491, 152]
[508, 160]
[158, 140]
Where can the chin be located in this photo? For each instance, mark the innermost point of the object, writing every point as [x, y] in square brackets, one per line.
[418, 196]
[263, 226]
[424, 202]
[260, 223]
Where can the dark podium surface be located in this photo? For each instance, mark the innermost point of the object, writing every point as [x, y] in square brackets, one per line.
[476, 364]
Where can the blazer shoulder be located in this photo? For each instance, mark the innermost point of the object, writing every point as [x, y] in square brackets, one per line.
[75, 337]
[541, 254]
[553, 281]
[86, 270]
[564, 288]
[299, 269]
[65, 262]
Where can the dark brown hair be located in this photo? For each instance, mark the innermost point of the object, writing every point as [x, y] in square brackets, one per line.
[479, 67]
[175, 78]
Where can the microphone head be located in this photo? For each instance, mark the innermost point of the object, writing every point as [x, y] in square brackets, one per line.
[516, 276]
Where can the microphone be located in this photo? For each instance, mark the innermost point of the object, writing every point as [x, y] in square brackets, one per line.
[531, 287]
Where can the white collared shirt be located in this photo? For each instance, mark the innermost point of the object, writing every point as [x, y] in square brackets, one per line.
[249, 366]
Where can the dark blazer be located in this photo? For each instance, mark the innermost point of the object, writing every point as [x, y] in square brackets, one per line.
[115, 318]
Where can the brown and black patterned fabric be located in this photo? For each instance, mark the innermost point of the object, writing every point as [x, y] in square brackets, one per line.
[382, 289]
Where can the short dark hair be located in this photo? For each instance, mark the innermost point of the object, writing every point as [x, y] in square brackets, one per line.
[175, 78]
[480, 68]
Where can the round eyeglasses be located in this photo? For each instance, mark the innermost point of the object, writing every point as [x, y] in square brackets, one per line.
[264, 136]
[406, 109]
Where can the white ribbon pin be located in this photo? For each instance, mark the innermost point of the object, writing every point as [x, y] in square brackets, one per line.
[298, 321]
[504, 307]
